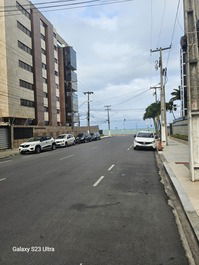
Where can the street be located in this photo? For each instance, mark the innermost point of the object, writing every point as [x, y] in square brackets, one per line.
[99, 203]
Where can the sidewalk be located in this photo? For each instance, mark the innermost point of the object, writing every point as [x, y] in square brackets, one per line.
[175, 158]
[8, 153]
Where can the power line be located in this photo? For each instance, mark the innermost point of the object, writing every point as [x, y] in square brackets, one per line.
[151, 24]
[162, 23]
[52, 6]
[137, 95]
[76, 7]
[36, 4]
[173, 32]
[115, 110]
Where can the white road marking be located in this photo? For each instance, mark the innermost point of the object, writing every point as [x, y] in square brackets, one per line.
[65, 157]
[6, 161]
[98, 181]
[130, 147]
[3, 179]
[111, 167]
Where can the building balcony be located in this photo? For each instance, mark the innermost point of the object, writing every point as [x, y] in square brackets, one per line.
[71, 86]
[71, 76]
[70, 58]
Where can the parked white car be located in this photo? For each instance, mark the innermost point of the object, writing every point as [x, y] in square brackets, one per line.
[37, 144]
[65, 140]
[145, 139]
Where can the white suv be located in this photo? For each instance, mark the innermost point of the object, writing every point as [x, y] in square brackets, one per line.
[65, 140]
[37, 144]
[145, 139]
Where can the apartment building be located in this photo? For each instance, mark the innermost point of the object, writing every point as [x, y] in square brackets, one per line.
[37, 69]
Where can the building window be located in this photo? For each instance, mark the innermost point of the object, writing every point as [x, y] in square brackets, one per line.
[25, 66]
[27, 103]
[44, 66]
[45, 95]
[56, 61]
[43, 37]
[45, 80]
[24, 47]
[24, 29]
[58, 111]
[43, 51]
[25, 84]
[46, 122]
[23, 10]
[55, 47]
[54, 34]
[56, 73]
[57, 98]
[45, 109]
[57, 86]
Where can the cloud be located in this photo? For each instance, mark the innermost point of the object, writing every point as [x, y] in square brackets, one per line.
[113, 44]
[103, 23]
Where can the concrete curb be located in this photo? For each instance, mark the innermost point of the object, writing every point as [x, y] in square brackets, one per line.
[188, 208]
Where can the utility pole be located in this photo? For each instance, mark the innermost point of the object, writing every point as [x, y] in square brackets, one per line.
[155, 92]
[162, 97]
[108, 108]
[88, 114]
[191, 14]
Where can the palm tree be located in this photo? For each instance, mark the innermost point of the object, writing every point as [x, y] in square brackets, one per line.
[175, 94]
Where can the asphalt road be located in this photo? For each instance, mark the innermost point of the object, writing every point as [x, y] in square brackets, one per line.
[99, 203]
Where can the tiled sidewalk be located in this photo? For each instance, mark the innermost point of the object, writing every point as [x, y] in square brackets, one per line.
[176, 162]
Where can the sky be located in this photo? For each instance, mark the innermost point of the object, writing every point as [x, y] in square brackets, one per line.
[113, 45]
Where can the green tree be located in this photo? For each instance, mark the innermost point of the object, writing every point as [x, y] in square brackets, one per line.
[153, 112]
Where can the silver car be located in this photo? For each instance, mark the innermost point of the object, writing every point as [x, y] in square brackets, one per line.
[64, 140]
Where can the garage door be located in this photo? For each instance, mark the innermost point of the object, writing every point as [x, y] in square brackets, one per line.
[4, 138]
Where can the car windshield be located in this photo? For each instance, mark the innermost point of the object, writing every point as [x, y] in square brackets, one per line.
[60, 137]
[80, 135]
[34, 139]
[145, 135]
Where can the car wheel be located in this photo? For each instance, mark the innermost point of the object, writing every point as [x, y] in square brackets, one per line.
[135, 147]
[37, 149]
[66, 144]
[53, 147]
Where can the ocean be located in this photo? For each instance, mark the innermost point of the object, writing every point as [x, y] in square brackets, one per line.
[123, 132]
